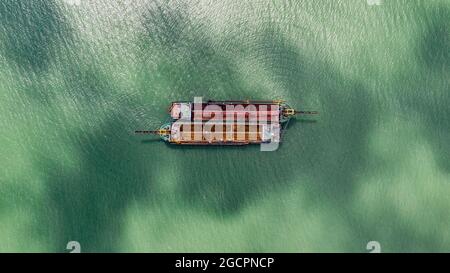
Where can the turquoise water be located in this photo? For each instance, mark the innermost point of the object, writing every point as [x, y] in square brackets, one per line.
[77, 77]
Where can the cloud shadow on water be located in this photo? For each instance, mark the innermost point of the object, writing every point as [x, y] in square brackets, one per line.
[432, 90]
[88, 202]
[88, 199]
[224, 180]
[33, 31]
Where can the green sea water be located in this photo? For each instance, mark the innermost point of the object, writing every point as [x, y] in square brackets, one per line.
[77, 77]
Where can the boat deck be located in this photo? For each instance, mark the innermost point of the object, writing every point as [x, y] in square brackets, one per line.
[238, 133]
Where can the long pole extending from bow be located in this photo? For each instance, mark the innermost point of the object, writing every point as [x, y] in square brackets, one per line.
[152, 132]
